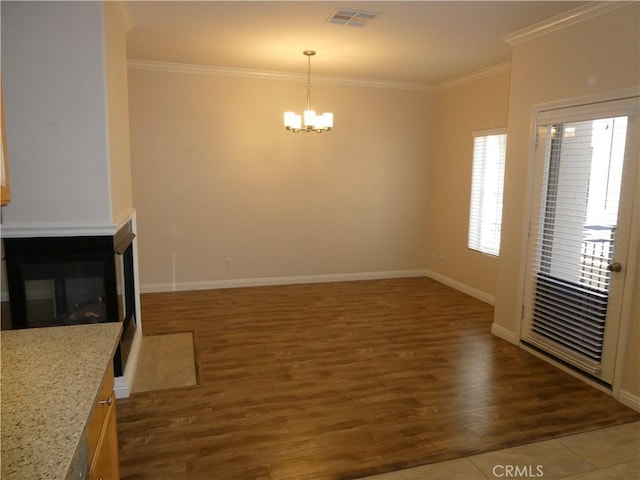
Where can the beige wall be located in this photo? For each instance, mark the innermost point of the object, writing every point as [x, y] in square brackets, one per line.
[115, 47]
[216, 177]
[460, 110]
[593, 57]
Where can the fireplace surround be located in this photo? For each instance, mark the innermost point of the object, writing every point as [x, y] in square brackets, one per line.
[58, 281]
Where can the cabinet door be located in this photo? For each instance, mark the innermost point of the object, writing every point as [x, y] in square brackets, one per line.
[105, 465]
[105, 401]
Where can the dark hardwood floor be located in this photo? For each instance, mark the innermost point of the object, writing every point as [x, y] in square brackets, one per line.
[342, 380]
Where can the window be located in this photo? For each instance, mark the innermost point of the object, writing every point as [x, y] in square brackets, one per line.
[485, 216]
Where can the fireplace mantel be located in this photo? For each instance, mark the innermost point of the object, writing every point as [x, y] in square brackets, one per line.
[79, 229]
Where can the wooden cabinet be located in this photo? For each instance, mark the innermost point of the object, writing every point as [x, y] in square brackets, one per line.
[103, 434]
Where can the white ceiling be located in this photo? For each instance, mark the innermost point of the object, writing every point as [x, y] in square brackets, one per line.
[425, 42]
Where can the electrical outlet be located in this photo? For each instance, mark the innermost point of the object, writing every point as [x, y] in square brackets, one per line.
[441, 259]
[227, 263]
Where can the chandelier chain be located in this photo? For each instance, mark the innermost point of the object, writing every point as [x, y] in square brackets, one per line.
[308, 79]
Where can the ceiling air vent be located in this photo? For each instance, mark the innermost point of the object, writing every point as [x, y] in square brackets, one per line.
[353, 18]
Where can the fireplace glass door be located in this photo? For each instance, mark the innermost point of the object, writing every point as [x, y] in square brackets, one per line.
[68, 293]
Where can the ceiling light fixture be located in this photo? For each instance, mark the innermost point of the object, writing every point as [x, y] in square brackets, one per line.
[312, 122]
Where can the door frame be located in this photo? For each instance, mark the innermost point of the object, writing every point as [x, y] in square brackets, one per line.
[632, 255]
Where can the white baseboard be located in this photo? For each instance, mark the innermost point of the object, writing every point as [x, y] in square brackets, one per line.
[461, 287]
[629, 399]
[504, 334]
[267, 281]
[122, 385]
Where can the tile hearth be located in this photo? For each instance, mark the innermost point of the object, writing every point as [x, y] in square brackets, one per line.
[166, 361]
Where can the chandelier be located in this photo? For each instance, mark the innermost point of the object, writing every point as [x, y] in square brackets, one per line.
[312, 122]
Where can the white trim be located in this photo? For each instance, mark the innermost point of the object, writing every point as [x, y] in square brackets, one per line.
[632, 281]
[171, 67]
[526, 222]
[461, 287]
[503, 333]
[125, 14]
[123, 385]
[624, 106]
[71, 229]
[125, 217]
[610, 96]
[267, 281]
[629, 399]
[476, 75]
[23, 230]
[489, 132]
[577, 15]
[136, 270]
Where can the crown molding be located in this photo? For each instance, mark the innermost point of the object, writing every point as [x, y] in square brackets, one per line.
[577, 15]
[125, 14]
[172, 67]
[271, 75]
[477, 75]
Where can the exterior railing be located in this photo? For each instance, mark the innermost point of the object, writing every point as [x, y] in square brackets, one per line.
[597, 249]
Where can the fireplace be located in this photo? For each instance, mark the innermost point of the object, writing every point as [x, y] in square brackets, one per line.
[58, 281]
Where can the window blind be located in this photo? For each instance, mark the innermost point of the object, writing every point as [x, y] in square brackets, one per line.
[574, 237]
[485, 213]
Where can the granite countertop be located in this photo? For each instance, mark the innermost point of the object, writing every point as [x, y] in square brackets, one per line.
[49, 384]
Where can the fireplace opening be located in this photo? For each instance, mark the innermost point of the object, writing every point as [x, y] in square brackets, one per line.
[63, 293]
[58, 281]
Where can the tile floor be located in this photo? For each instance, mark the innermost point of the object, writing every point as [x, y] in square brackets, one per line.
[607, 454]
[166, 361]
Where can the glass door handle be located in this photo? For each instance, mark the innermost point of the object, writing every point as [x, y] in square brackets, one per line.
[614, 267]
